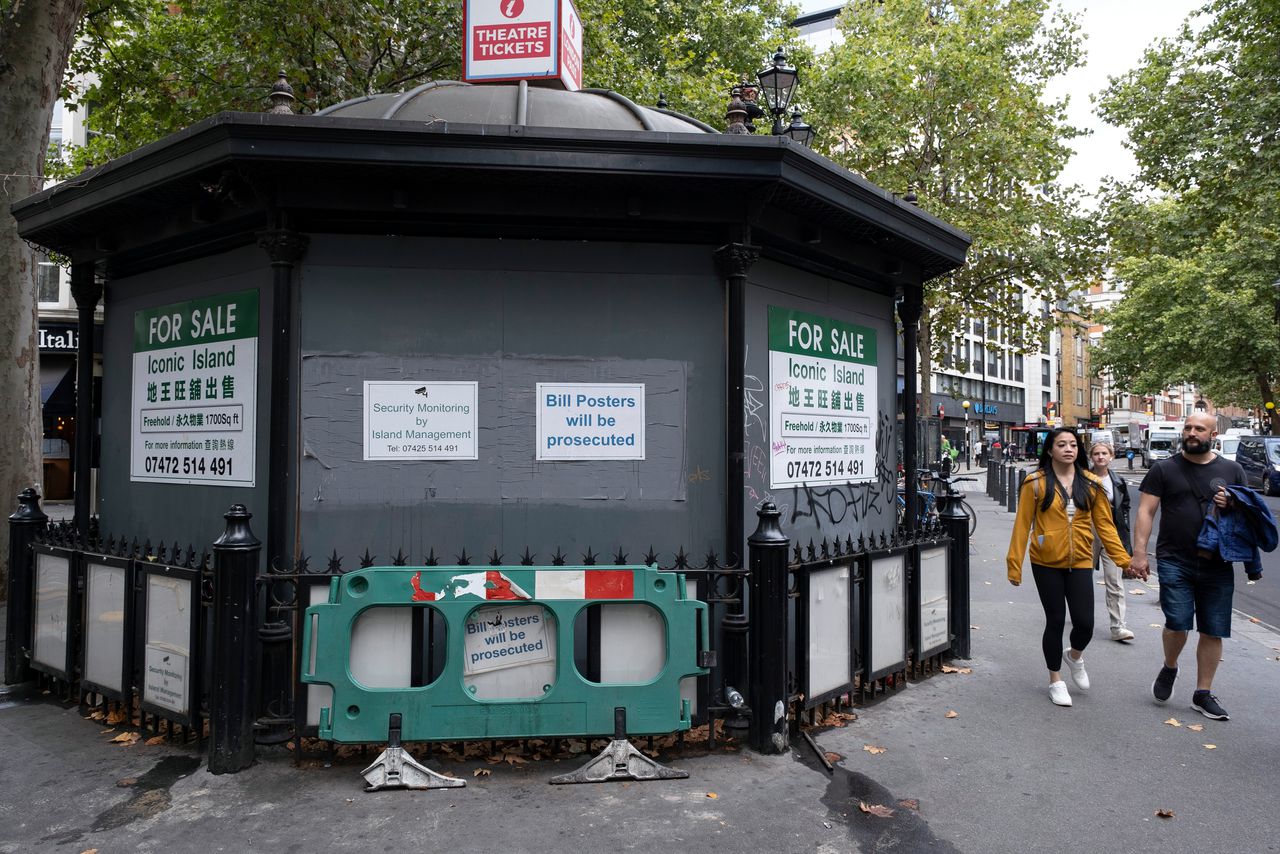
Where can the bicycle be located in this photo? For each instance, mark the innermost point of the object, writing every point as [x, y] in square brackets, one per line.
[927, 496]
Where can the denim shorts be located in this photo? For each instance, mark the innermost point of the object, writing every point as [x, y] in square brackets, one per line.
[1200, 588]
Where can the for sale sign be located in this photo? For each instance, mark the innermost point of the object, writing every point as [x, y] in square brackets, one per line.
[822, 373]
[522, 40]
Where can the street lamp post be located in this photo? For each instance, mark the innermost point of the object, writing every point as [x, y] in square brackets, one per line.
[777, 82]
[968, 439]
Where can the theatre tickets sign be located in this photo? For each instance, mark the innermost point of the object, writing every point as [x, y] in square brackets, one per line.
[195, 391]
[522, 40]
[823, 400]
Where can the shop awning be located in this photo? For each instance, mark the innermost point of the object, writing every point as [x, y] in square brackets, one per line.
[58, 387]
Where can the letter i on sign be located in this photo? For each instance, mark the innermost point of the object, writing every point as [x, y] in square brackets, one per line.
[511, 8]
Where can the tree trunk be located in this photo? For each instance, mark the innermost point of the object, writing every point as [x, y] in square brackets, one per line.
[924, 344]
[1269, 406]
[35, 39]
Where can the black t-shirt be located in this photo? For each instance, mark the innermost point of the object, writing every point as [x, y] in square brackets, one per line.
[1181, 514]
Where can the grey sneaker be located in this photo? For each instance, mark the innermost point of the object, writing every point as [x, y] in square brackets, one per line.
[1162, 688]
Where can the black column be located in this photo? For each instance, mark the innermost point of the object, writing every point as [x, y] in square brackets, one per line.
[231, 695]
[87, 291]
[285, 248]
[23, 526]
[956, 524]
[909, 310]
[770, 610]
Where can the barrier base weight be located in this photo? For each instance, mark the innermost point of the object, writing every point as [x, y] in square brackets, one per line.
[395, 769]
[620, 761]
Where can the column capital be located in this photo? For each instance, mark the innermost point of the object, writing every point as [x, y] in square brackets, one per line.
[283, 245]
[86, 290]
[736, 259]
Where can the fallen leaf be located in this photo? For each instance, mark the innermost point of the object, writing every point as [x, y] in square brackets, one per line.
[947, 668]
[873, 750]
[975, 628]
[1254, 620]
[1211, 747]
[712, 795]
[126, 782]
[952, 714]
[116, 717]
[481, 772]
[1165, 813]
[988, 583]
[154, 740]
[1173, 722]
[1195, 727]
[126, 738]
[1137, 592]
[89, 851]
[833, 757]
[875, 809]
[107, 730]
[910, 803]
[513, 759]
[1154, 625]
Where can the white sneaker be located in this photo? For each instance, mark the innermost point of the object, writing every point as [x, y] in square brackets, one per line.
[1121, 634]
[1058, 693]
[1076, 666]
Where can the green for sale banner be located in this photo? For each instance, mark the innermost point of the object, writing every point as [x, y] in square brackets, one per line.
[823, 399]
[195, 373]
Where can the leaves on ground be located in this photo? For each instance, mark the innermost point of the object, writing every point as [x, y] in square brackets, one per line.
[1211, 747]
[1154, 625]
[1254, 620]
[833, 757]
[952, 714]
[712, 795]
[89, 851]
[481, 772]
[116, 717]
[875, 809]
[1137, 591]
[873, 750]
[1195, 727]
[126, 782]
[1174, 722]
[947, 668]
[910, 803]
[1163, 813]
[126, 738]
[154, 740]
[975, 628]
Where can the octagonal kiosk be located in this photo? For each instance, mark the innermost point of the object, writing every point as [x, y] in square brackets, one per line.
[494, 324]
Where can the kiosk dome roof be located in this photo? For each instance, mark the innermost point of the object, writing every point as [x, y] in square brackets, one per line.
[515, 105]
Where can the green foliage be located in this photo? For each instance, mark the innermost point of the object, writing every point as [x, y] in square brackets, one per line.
[949, 98]
[162, 66]
[1196, 239]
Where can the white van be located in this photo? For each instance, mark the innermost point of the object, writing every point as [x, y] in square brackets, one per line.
[1227, 443]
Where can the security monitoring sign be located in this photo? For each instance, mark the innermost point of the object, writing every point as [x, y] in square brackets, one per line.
[822, 407]
[195, 392]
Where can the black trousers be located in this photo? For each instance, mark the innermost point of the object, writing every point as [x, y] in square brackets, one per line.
[1060, 590]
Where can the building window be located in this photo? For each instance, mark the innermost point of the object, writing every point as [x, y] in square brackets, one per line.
[1079, 397]
[1044, 374]
[1017, 368]
[1079, 360]
[1044, 401]
[49, 278]
[993, 362]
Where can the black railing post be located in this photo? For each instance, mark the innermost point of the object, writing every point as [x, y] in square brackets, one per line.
[1014, 482]
[956, 524]
[235, 644]
[770, 608]
[23, 527]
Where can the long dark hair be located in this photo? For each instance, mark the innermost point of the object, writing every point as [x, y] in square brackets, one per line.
[1081, 494]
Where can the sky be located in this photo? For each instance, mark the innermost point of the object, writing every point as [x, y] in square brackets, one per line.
[1117, 32]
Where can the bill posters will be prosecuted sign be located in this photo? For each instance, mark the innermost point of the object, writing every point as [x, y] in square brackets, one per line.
[195, 372]
[823, 399]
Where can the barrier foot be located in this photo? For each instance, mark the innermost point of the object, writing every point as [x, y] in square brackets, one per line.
[620, 760]
[396, 769]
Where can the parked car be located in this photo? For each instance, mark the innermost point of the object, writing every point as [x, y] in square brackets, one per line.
[1259, 456]
[1226, 446]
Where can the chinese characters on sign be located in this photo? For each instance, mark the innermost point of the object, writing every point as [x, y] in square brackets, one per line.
[823, 399]
[408, 420]
[195, 371]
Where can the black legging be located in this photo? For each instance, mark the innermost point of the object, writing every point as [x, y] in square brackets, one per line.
[1059, 590]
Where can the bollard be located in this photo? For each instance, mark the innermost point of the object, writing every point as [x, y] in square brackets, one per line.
[956, 524]
[231, 695]
[1001, 483]
[1022, 476]
[767, 550]
[1014, 482]
[991, 483]
[24, 524]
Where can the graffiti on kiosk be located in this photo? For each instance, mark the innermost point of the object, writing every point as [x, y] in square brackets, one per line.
[854, 501]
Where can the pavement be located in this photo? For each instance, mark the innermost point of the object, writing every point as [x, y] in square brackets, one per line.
[1008, 772]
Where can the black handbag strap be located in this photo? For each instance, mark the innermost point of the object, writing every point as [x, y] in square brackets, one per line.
[1178, 463]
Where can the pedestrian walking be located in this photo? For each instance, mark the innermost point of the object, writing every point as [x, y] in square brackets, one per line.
[1101, 454]
[1194, 583]
[1060, 506]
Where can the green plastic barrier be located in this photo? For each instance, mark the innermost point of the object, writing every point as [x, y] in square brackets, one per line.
[470, 600]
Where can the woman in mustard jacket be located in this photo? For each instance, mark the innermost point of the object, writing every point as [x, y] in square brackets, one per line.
[1060, 506]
